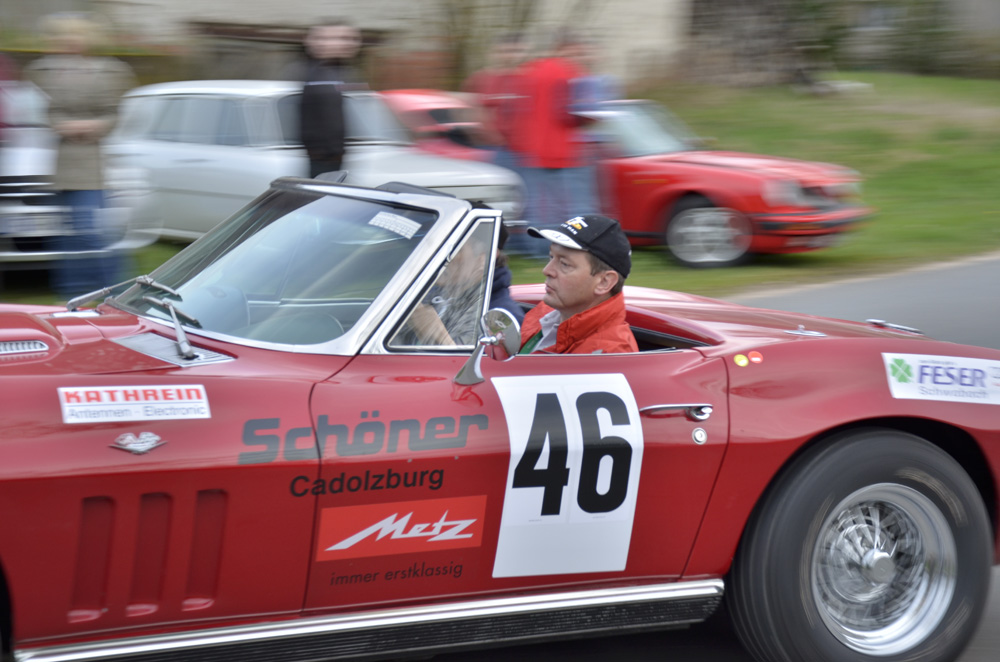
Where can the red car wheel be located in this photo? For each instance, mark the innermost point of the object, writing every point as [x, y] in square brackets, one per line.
[699, 234]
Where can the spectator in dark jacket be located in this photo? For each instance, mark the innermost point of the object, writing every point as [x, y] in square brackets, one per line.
[331, 47]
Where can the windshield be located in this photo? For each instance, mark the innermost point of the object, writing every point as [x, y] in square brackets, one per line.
[295, 268]
[642, 129]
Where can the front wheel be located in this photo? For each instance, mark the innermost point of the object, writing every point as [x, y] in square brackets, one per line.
[699, 234]
[875, 547]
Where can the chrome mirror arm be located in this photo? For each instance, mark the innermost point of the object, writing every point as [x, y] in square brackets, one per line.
[502, 340]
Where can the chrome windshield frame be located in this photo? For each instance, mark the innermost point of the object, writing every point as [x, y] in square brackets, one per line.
[417, 269]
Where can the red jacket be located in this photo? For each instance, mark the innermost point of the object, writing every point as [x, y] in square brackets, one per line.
[601, 329]
[550, 130]
[501, 95]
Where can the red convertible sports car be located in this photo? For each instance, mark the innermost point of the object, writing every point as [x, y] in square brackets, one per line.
[252, 453]
[708, 207]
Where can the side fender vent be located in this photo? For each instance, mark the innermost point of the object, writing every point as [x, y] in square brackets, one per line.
[22, 347]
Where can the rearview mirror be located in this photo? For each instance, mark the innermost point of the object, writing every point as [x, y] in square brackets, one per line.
[501, 341]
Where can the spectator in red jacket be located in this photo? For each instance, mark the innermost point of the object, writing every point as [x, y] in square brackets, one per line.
[558, 182]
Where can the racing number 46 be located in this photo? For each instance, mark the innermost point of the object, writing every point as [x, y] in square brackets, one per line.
[572, 483]
[548, 427]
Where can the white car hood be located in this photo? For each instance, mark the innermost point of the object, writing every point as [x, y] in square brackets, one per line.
[373, 165]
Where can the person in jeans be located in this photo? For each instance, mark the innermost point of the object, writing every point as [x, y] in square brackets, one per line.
[84, 91]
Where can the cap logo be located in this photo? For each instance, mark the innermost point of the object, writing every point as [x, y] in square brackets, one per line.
[576, 223]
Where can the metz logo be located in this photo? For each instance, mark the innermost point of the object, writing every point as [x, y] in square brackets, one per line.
[400, 528]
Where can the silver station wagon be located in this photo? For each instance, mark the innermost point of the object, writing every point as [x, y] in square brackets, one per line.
[209, 147]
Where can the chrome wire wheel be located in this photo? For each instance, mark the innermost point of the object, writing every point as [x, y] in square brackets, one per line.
[709, 236]
[883, 570]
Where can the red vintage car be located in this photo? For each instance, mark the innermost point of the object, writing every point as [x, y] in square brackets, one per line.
[708, 207]
[255, 452]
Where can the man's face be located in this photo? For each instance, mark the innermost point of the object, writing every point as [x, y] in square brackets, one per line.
[327, 42]
[570, 288]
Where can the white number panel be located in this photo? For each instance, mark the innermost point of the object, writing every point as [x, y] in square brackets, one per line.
[575, 456]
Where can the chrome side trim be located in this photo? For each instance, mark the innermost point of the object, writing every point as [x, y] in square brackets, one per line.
[492, 610]
[895, 327]
[803, 331]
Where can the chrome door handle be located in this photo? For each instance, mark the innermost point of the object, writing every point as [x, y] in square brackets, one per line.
[695, 412]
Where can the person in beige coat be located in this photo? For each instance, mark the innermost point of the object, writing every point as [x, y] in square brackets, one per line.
[83, 91]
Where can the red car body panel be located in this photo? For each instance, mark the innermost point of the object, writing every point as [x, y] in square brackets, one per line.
[265, 484]
[471, 457]
[132, 547]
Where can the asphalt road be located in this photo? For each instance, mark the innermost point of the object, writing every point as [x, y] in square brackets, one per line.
[957, 302]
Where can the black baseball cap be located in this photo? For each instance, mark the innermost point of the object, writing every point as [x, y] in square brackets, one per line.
[599, 235]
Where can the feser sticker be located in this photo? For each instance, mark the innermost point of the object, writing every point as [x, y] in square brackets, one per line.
[944, 378]
[408, 527]
[101, 404]
[575, 456]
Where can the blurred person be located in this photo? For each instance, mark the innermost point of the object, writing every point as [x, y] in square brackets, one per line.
[84, 90]
[499, 90]
[588, 91]
[583, 310]
[450, 312]
[590, 88]
[331, 48]
[553, 141]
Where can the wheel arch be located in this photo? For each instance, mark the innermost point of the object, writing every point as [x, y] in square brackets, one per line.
[757, 583]
[693, 195]
[952, 439]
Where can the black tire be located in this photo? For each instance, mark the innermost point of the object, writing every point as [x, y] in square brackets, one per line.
[700, 234]
[808, 583]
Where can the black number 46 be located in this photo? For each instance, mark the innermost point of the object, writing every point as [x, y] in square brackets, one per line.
[549, 426]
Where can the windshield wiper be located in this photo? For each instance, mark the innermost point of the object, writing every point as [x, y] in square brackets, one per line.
[144, 279]
[183, 346]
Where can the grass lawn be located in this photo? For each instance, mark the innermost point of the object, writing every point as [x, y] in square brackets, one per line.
[928, 149]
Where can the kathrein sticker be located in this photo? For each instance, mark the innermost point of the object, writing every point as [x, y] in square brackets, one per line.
[575, 457]
[98, 404]
[409, 527]
[943, 378]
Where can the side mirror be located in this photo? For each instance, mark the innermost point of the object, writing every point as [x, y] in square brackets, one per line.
[501, 341]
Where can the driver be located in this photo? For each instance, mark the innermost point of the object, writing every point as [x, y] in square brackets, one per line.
[583, 311]
[449, 314]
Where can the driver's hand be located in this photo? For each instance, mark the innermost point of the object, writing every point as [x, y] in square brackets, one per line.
[427, 325]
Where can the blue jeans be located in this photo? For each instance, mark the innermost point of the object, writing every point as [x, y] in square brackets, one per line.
[559, 194]
[75, 276]
[519, 243]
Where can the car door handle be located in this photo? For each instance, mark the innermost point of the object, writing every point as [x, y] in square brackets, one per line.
[696, 412]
